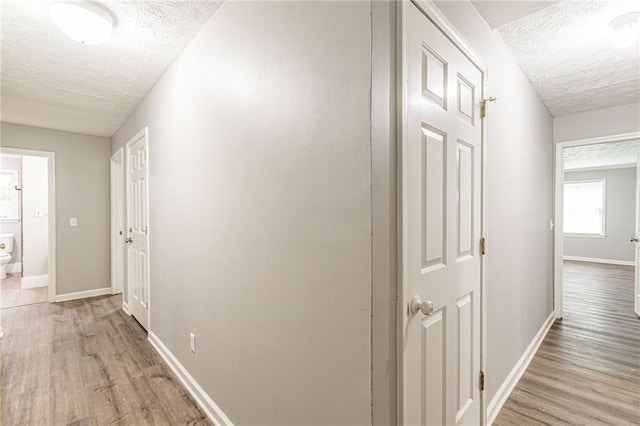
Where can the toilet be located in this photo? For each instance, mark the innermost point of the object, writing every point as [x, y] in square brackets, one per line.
[6, 247]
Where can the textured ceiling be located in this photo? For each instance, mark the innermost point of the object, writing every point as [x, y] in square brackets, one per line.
[498, 13]
[601, 155]
[567, 52]
[49, 80]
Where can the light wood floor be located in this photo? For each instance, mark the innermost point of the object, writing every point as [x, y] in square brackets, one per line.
[85, 362]
[11, 294]
[587, 370]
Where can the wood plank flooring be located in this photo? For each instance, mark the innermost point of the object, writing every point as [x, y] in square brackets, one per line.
[587, 370]
[12, 294]
[85, 362]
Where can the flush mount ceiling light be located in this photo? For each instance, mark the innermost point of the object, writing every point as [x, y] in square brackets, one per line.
[83, 21]
[625, 30]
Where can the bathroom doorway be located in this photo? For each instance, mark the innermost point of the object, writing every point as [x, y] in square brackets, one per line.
[27, 227]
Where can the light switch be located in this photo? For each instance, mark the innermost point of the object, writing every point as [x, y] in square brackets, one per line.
[73, 221]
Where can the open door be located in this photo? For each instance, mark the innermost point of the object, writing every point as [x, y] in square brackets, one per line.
[634, 239]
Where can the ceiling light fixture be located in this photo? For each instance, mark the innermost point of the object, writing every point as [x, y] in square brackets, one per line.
[83, 21]
[625, 30]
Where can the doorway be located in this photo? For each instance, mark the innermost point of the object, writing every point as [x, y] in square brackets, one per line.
[27, 227]
[597, 224]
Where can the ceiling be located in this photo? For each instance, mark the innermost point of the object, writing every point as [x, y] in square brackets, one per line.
[601, 155]
[498, 13]
[49, 80]
[567, 53]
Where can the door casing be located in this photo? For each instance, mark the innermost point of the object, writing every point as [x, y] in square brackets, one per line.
[558, 250]
[117, 222]
[431, 11]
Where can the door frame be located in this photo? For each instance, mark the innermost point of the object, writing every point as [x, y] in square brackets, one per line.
[558, 189]
[431, 12]
[51, 171]
[117, 221]
[142, 133]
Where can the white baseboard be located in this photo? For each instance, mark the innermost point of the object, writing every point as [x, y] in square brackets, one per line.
[596, 260]
[14, 268]
[203, 400]
[34, 281]
[518, 370]
[125, 308]
[83, 294]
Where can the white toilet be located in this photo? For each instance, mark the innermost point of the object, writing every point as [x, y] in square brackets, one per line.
[6, 247]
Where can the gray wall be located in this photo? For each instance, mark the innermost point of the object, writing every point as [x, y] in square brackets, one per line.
[619, 217]
[519, 195]
[592, 124]
[260, 201]
[82, 191]
[14, 227]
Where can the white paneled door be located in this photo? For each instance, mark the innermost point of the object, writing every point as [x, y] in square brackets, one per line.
[442, 173]
[138, 228]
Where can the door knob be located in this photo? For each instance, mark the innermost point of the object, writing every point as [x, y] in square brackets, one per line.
[128, 240]
[633, 239]
[424, 306]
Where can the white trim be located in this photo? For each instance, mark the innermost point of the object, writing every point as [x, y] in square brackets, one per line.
[433, 13]
[34, 281]
[204, 401]
[518, 370]
[116, 165]
[599, 168]
[597, 260]
[83, 294]
[125, 308]
[14, 268]
[51, 168]
[558, 185]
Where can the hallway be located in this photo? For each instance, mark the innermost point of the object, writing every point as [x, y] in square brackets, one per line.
[85, 362]
[587, 370]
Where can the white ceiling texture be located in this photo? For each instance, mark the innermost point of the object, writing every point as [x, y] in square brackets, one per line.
[49, 80]
[602, 155]
[566, 50]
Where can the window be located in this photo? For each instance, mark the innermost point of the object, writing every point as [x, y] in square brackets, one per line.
[8, 196]
[584, 207]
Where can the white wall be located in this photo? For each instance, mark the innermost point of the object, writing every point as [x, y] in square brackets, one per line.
[592, 124]
[619, 218]
[14, 228]
[82, 191]
[35, 190]
[260, 204]
[519, 192]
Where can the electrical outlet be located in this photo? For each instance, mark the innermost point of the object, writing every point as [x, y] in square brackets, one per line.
[193, 342]
[73, 221]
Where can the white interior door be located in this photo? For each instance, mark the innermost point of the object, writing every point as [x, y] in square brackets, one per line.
[442, 166]
[138, 228]
[635, 238]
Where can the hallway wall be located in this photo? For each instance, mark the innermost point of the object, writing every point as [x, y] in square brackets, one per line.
[260, 201]
[82, 191]
[592, 124]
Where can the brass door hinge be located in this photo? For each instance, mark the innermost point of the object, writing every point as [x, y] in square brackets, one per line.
[481, 380]
[483, 245]
[483, 106]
